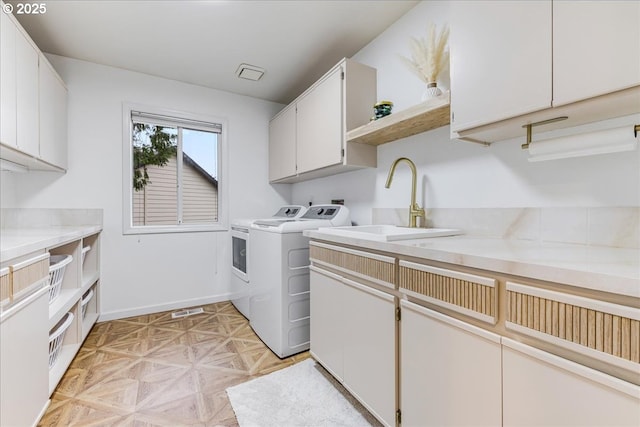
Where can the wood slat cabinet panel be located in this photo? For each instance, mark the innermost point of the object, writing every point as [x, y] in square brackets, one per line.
[608, 332]
[377, 268]
[5, 286]
[468, 294]
[21, 278]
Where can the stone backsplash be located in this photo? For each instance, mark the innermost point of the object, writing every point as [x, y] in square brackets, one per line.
[598, 226]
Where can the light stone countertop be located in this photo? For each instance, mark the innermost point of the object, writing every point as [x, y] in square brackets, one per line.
[16, 242]
[607, 269]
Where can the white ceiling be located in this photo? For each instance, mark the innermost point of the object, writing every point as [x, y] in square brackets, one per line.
[204, 42]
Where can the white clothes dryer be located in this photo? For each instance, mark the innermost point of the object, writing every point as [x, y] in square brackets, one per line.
[240, 238]
[279, 264]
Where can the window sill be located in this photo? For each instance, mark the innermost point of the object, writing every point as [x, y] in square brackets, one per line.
[164, 229]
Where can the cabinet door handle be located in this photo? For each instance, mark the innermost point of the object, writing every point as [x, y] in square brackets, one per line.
[325, 273]
[369, 290]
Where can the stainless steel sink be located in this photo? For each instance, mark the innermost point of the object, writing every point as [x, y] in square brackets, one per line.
[389, 233]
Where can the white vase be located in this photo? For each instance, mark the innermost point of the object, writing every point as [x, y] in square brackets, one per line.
[431, 92]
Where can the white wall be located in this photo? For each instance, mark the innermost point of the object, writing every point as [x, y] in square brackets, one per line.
[456, 174]
[159, 271]
[7, 189]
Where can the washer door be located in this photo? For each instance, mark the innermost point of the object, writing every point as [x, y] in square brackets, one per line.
[240, 252]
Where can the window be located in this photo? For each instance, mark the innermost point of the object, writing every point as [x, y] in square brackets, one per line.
[172, 174]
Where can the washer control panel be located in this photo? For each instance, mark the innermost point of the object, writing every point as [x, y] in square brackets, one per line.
[322, 212]
[293, 211]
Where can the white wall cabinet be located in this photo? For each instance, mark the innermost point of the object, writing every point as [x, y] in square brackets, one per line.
[282, 145]
[500, 60]
[450, 371]
[53, 115]
[533, 61]
[589, 58]
[353, 335]
[33, 107]
[341, 100]
[319, 132]
[26, 61]
[542, 389]
[8, 81]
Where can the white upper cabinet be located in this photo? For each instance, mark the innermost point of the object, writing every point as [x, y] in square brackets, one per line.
[8, 81]
[596, 48]
[318, 119]
[500, 60]
[282, 145]
[26, 61]
[33, 105]
[319, 131]
[520, 62]
[53, 116]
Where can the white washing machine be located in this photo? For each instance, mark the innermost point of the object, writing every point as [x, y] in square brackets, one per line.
[279, 264]
[240, 238]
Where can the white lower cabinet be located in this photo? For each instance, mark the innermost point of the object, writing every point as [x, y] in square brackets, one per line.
[327, 320]
[353, 335]
[31, 315]
[542, 389]
[24, 352]
[370, 349]
[437, 369]
[450, 371]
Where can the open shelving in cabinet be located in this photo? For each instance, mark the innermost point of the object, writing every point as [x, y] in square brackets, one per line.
[80, 284]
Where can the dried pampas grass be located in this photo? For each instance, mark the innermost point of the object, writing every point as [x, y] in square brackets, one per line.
[428, 56]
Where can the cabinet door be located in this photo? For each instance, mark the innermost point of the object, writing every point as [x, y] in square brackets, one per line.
[370, 349]
[27, 96]
[23, 361]
[542, 389]
[500, 60]
[596, 48]
[53, 116]
[282, 145]
[450, 371]
[7, 81]
[327, 320]
[319, 125]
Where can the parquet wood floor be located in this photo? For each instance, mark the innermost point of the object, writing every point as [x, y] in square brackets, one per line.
[156, 371]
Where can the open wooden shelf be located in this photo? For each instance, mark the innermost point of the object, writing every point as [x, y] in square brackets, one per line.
[431, 114]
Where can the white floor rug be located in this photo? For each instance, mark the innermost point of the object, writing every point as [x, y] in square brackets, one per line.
[301, 395]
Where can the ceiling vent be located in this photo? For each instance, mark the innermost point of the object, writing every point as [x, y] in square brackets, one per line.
[249, 72]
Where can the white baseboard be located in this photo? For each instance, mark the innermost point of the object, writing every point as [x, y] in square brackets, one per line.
[149, 309]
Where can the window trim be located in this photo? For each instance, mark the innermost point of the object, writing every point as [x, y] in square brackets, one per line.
[127, 171]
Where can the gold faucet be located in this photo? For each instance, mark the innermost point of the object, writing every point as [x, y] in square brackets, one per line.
[415, 211]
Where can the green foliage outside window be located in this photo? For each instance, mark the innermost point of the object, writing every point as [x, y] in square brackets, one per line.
[152, 146]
